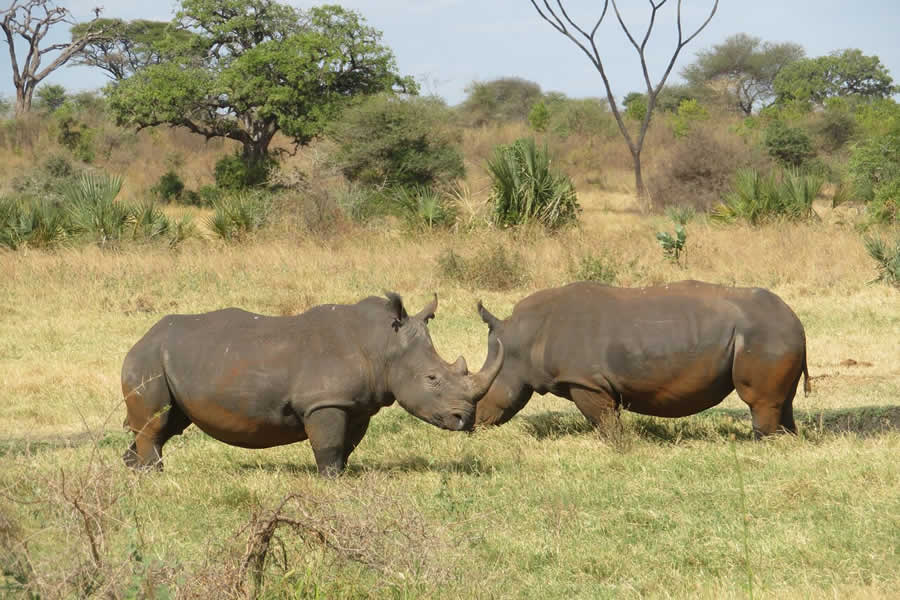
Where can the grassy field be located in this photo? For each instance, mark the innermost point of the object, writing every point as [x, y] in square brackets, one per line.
[543, 507]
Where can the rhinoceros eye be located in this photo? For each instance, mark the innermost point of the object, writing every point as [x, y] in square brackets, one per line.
[431, 377]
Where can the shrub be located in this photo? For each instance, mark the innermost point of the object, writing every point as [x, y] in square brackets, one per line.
[688, 113]
[93, 210]
[836, 125]
[398, 142]
[596, 268]
[539, 116]
[501, 100]
[239, 215]
[888, 259]
[169, 187]
[681, 215]
[874, 162]
[497, 269]
[757, 198]
[673, 246]
[524, 189]
[885, 206]
[73, 134]
[583, 116]
[424, 206]
[235, 172]
[697, 170]
[790, 146]
[39, 224]
[58, 166]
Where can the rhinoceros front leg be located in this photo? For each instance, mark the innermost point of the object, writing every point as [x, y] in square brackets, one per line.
[327, 431]
[356, 429]
[598, 406]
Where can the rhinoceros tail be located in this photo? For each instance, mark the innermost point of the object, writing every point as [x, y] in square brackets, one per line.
[807, 388]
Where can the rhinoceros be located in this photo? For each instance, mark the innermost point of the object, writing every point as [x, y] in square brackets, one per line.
[257, 381]
[668, 351]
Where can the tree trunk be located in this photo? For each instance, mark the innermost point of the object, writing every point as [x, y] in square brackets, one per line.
[639, 189]
[23, 100]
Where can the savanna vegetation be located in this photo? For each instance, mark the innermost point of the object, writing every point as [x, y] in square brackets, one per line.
[109, 221]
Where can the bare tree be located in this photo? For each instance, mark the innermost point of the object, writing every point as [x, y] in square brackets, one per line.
[31, 20]
[586, 40]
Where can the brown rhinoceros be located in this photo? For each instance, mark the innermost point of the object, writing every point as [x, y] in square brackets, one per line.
[668, 351]
[256, 381]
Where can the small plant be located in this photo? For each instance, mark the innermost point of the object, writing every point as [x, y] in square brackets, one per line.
[673, 246]
[524, 189]
[888, 259]
[169, 187]
[92, 206]
[424, 206]
[239, 215]
[497, 269]
[539, 117]
[681, 215]
[596, 268]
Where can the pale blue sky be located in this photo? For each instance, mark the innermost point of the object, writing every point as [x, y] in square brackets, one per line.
[447, 44]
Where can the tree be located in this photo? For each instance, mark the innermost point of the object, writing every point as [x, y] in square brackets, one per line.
[51, 97]
[847, 73]
[31, 20]
[129, 46]
[744, 68]
[504, 99]
[257, 67]
[586, 40]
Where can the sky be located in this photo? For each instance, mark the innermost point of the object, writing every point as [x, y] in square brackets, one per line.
[448, 44]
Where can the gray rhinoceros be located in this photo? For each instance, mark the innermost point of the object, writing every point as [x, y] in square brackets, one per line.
[668, 351]
[256, 381]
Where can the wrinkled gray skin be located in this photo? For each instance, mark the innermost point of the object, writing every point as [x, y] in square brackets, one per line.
[668, 351]
[256, 381]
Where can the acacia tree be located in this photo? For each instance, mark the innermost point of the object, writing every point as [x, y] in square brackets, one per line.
[585, 39]
[745, 67]
[847, 73]
[31, 20]
[253, 68]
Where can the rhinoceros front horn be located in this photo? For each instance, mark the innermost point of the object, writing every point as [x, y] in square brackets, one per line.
[480, 383]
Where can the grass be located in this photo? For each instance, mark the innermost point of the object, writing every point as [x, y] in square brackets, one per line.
[542, 507]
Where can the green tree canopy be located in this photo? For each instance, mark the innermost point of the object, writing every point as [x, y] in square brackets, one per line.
[256, 67]
[50, 96]
[743, 68]
[129, 46]
[847, 73]
[504, 99]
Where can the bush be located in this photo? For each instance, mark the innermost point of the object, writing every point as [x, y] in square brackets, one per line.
[501, 100]
[585, 116]
[885, 206]
[757, 198]
[539, 116]
[836, 125]
[58, 166]
[93, 210]
[524, 189]
[874, 162]
[790, 146]
[169, 187]
[236, 172]
[239, 215]
[424, 207]
[888, 259]
[396, 142]
[688, 113]
[73, 134]
[697, 170]
[39, 224]
[596, 268]
[497, 269]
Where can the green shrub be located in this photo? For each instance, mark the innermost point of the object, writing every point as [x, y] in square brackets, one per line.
[58, 166]
[887, 257]
[74, 134]
[497, 269]
[524, 189]
[688, 112]
[836, 125]
[239, 215]
[235, 172]
[539, 116]
[424, 207]
[885, 206]
[874, 161]
[38, 224]
[92, 207]
[674, 247]
[582, 116]
[398, 142]
[501, 100]
[169, 187]
[790, 146]
[596, 268]
[756, 198]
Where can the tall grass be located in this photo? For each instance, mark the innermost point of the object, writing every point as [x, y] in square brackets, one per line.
[756, 197]
[526, 189]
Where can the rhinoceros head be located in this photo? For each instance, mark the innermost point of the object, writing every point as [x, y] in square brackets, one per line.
[430, 388]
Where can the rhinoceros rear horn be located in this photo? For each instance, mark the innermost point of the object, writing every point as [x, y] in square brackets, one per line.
[487, 317]
[427, 313]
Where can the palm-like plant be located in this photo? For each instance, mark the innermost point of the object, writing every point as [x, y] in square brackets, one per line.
[93, 210]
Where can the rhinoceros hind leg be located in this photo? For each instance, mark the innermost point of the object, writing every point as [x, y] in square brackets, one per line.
[327, 432]
[598, 406]
[768, 389]
[154, 418]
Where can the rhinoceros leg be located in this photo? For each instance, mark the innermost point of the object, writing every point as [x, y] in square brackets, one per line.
[768, 388]
[598, 406]
[356, 429]
[327, 431]
[153, 418]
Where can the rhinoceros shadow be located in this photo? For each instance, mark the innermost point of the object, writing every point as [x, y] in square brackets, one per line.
[468, 464]
[718, 423]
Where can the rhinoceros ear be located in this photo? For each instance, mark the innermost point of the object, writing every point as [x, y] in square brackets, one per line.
[487, 317]
[395, 305]
[427, 313]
